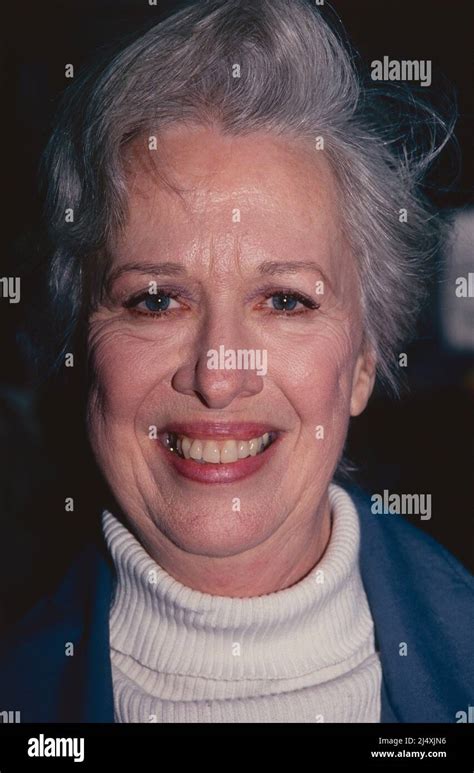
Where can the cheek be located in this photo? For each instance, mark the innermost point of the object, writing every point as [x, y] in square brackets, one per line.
[124, 370]
[317, 376]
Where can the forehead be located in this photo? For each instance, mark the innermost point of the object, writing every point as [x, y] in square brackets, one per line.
[204, 195]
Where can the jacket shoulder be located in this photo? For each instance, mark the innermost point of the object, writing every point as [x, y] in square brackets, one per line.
[422, 603]
[44, 655]
[409, 543]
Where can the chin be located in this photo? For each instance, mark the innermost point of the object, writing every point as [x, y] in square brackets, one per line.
[218, 534]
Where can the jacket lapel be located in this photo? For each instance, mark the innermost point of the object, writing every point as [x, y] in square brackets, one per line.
[85, 693]
[420, 599]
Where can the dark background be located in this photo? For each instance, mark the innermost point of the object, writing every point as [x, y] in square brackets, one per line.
[421, 443]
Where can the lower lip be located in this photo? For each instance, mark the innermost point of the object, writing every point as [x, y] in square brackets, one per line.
[218, 473]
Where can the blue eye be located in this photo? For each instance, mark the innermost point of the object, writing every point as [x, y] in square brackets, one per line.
[284, 302]
[159, 302]
[155, 304]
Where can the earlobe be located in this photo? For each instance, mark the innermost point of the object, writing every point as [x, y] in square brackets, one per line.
[363, 381]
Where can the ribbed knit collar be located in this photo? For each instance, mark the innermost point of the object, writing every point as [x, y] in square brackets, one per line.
[321, 624]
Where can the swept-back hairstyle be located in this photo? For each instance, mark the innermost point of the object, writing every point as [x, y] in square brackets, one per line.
[298, 78]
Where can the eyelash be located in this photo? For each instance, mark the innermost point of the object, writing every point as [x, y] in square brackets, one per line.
[310, 305]
[131, 304]
[294, 294]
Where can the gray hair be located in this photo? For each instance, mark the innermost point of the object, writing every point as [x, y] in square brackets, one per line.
[298, 78]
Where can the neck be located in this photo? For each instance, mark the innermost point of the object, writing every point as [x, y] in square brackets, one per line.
[299, 544]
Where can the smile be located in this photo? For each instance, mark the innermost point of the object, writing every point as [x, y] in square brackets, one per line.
[211, 451]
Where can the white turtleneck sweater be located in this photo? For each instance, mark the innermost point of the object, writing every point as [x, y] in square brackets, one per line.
[302, 654]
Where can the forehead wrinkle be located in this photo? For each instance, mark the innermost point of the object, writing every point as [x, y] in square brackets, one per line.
[224, 256]
[208, 236]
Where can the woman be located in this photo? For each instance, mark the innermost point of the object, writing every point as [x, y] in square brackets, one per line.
[241, 244]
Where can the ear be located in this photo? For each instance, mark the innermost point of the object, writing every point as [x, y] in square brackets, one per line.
[363, 379]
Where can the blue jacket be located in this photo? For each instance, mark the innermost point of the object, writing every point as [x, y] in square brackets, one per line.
[417, 592]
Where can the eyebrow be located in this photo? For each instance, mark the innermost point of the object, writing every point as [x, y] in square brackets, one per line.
[274, 267]
[155, 269]
[267, 268]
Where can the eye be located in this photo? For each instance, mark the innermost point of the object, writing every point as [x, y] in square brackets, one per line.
[286, 302]
[153, 304]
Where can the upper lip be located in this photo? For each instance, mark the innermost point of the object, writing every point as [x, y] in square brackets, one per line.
[200, 430]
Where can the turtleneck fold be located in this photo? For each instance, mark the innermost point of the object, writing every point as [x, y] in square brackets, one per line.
[302, 654]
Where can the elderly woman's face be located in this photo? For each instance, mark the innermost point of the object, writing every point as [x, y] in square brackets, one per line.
[248, 256]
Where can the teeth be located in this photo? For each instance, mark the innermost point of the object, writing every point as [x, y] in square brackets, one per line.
[242, 449]
[186, 444]
[210, 452]
[195, 451]
[229, 452]
[254, 446]
[217, 451]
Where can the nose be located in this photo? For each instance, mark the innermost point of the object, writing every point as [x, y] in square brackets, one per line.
[216, 387]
